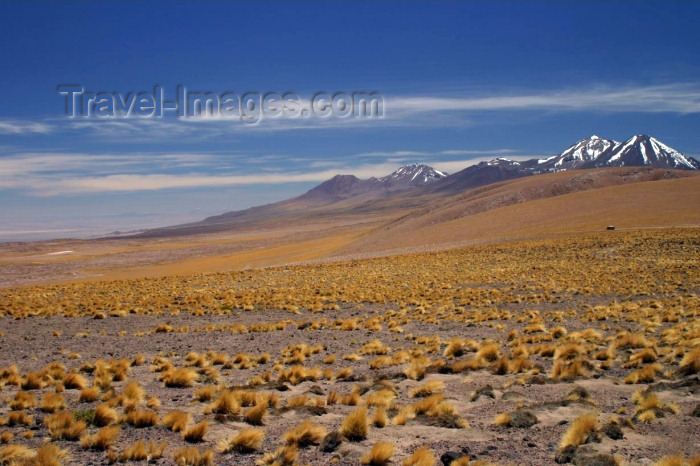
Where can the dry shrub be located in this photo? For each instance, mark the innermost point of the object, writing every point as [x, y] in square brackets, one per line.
[196, 433]
[205, 393]
[23, 400]
[427, 389]
[690, 364]
[503, 420]
[18, 418]
[75, 382]
[89, 394]
[140, 418]
[255, 415]
[305, 434]
[379, 418]
[283, 456]
[355, 426]
[47, 455]
[579, 430]
[62, 425]
[427, 404]
[226, 403]
[102, 439]
[415, 371]
[134, 452]
[568, 370]
[52, 402]
[379, 455]
[176, 420]
[193, 457]
[132, 394]
[104, 415]
[421, 457]
[488, 352]
[15, 455]
[179, 378]
[246, 441]
[644, 375]
[33, 381]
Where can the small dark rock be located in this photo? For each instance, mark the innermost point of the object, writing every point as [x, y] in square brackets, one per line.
[531, 444]
[580, 393]
[593, 437]
[565, 455]
[601, 459]
[316, 390]
[696, 411]
[613, 431]
[523, 418]
[331, 442]
[449, 456]
[486, 390]
[305, 325]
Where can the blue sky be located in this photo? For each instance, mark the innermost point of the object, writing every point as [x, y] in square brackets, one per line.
[460, 81]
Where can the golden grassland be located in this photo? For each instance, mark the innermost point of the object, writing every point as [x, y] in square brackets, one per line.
[397, 359]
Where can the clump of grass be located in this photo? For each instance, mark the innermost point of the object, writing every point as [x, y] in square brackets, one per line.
[132, 394]
[205, 393]
[305, 434]
[179, 378]
[379, 418]
[193, 457]
[48, 455]
[176, 420]
[427, 389]
[422, 457]
[75, 381]
[52, 402]
[134, 452]
[102, 439]
[579, 430]
[379, 455]
[255, 415]
[32, 381]
[23, 400]
[355, 426]
[196, 433]
[18, 418]
[226, 403]
[104, 415]
[644, 375]
[488, 352]
[89, 394]
[62, 425]
[140, 418]
[415, 371]
[690, 364]
[246, 441]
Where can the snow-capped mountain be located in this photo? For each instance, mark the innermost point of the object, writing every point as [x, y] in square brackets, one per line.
[642, 150]
[592, 152]
[346, 186]
[413, 175]
[576, 156]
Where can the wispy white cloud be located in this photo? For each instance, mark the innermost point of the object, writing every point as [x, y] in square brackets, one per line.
[680, 98]
[24, 127]
[456, 108]
[55, 174]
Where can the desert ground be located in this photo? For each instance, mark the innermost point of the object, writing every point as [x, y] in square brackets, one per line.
[577, 347]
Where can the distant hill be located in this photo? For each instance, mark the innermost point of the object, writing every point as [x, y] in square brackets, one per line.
[417, 185]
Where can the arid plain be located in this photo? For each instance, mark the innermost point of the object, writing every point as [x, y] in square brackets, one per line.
[502, 325]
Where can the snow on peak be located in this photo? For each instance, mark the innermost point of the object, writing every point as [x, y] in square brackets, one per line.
[416, 172]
